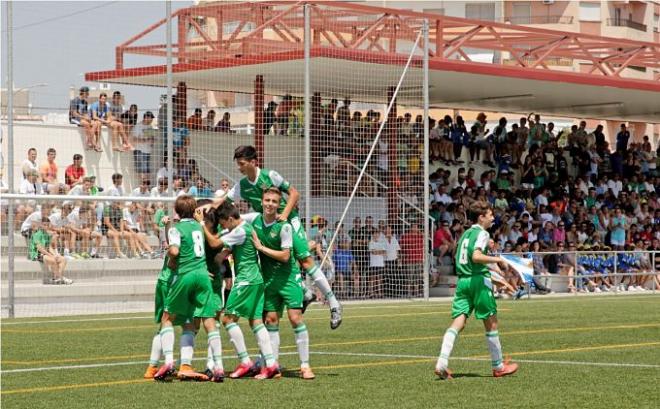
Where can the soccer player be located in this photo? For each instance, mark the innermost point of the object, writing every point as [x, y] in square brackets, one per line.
[273, 238]
[250, 188]
[190, 284]
[246, 298]
[474, 292]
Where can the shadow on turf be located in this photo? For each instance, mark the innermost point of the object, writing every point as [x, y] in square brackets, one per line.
[467, 375]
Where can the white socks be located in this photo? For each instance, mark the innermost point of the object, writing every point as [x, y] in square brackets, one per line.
[274, 334]
[236, 338]
[445, 351]
[167, 342]
[215, 349]
[302, 342]
[265, 347]
[156, 350]
[322, 283]
[493, 340]
[211, 361]
[187, 347]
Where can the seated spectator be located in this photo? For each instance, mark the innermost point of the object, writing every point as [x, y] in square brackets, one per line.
[100, 115]
[29, 186]
[195, 121]
[74, 173]
[143, 140]
[114, 227]
[117, 125]
[161, 189]
[59, 224]
[48, 171]
[138, 242]
[443, 243]
[42, 249]
[30, 163]
[82, 228]
[130, 118]
[146, 210]
[225, 186]
[79, 115]
[224, 125]
[209, 121]
[200, 189]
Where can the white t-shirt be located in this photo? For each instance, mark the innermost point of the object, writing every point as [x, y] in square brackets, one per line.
[377, 260]
[131, 219]
[29, 166]
[392, 248]
[143, 139]
[616, 186]
[156, 193]
[56, 220]
[115, 191]
[139, 193]
[74, 219]
[28, 188]
[32, 218]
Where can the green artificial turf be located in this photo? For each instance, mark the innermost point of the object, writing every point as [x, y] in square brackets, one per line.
[574, 352]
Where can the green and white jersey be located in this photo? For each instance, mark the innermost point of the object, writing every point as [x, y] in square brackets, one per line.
[246, 260]
[165, 272]
[251, 191]
[474, 238]
[188, 236]
[277, 236]
[39, 238]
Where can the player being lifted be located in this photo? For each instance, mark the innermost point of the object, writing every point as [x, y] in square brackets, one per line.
[273, 238]
[246, 298]
[250, 189]
[474, 292]
[190, 283]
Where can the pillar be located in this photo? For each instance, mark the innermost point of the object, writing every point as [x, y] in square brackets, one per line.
[392, 181]
[259, 117]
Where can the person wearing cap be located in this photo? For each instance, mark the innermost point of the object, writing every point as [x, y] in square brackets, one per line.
[79, 115]
[143, 138]
[74, 173]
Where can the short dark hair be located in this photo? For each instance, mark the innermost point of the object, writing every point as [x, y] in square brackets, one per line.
[148, 114]
[51, 150]
[116, 93]
[77, 156]
[185, 206]
[103, 94]
[116, 177]
[247, 152]
[227, 211]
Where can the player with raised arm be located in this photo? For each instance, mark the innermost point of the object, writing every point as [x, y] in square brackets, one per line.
[474, 292]
[190, 290]
[246, 298]
[250, 189]
[273, 238]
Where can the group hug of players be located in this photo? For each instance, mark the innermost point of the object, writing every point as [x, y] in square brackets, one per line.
[267, 248]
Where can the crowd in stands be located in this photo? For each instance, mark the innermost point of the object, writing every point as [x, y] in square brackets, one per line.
[551, 192]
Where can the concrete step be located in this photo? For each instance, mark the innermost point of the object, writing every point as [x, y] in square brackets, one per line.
[442, 291]
[83, 290]
[91, 268]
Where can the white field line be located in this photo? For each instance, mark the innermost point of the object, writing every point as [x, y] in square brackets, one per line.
[349, 354]
[352, 308]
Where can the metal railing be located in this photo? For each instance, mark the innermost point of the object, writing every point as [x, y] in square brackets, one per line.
[539, 19]
[622, 22]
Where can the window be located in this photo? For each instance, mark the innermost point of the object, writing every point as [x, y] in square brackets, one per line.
[589, 11]
[656, 22]
[522, 13]
[480, 11]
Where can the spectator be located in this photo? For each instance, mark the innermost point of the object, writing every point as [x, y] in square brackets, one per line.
[224, 125]
[30, 163]
[460, 137]
[209, 122]
[269, 116]
[377, 252]
[348, 280]
[622, 139]
[116, 125]
[114, 227]
[394, 282]
[137, 239]
[282, 115]
[200, 189]
[116, 189]
[48, 172]
[130, 118]
[143, 138]
[42, 249]
[180, 139]
[29, 186]
[100, 115]
[161, 190]
[412, 257]
[82, 228]
[79, 115]
[74, 173]
[619, 225]
[146, 210]
[224, 188]
[443, 242]
[195, 121]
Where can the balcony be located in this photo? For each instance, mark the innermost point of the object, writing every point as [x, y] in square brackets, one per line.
[539, 19]
[622, 22]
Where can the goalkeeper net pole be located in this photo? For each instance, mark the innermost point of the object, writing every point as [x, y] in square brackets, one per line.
[373, 148]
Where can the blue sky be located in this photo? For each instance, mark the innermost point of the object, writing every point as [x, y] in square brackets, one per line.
[57, 42]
